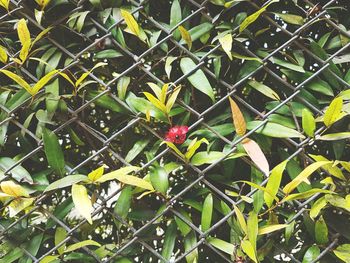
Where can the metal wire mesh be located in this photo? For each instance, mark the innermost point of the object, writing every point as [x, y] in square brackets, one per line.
[102, 146]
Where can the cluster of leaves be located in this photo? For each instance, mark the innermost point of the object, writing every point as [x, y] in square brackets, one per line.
[89, 92]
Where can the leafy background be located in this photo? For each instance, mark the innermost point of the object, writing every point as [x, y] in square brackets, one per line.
[90, 88]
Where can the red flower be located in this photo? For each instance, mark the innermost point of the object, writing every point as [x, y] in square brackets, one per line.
[176, 134]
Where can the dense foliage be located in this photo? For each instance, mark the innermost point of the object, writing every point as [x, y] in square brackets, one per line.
[174, 131]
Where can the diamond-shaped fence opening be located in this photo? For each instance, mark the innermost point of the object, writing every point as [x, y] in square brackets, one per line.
[86, 175]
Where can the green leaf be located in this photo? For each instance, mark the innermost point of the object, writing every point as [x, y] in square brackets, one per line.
[303, 176]
[305, 195]
[169, 240]
[274, 130]
[222, 245]
[201, 158]
[308, 122]
[241, 219]
[197, 79]
[251, 19]
[183, 227]
[248, 248]
[81, 244]
[333, 112]
[60, 235]
[252, 227]
[311, 254]
[136, 149]
[175, 17]
[66, 181]
[334, 136]
[18, 172]
[82, 201]
[265, 90]
[53, 151]
[343, 252]
[291, 19]
[270, 228]
[159, 179]
[122, 86]
[108, 53]
[321, 231]
[190, 242]
[274, 182]
[207, 213]
[123, 203]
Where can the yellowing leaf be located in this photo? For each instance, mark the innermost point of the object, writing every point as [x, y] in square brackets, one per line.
[18, 205]
[13, 189]
[48, 259]
[256, 154]
[226, 44]
[157, 91]
[238, 119]
[157, 103]
[24, 38]
[3, 55]
[172, 99]
[164, 92]
[186, 36]
[81, 244]
[303, 176]
[267, 91]
[17, 79]
[248, 248]
[317, 207]
[193, 147]
[117, 174]
[251, 19]
[5, 4]
[274, 183]
[130, 22]
[331, 169]
[42, 82]
[173, 146]
[241, 220]
[333, 112]
[41, 34]
[271, 228]
[308, 122]
[43, 3]
[82, 201]
[84, 75]
[96, 174]
[60, 235]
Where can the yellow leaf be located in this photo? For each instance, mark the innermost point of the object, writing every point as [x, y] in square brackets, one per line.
[17, 79]
[23, 33]
[271, 228]
[42, 82]
[3, 55]
[241, 220]
[148, 115]
[333, 112]
[82, 201]
[64, 75]
[131, 22]
[226, 44]
[303, 176]
[41, 34]
[43, 3]
[157, 91]
[23, 54]
[60, 235]
[186, 36]
[13, 189]
[84, 75]
[96, 174]
[238, 119]
[5, 4]
[18, 205]
[331, 169]
[163, 93]
[194, 146]
[117, 174]
[48, 259]
[248, 248]
[172, 99]
[173, 146]
[251, 19]
[157, 103]
[257, 155]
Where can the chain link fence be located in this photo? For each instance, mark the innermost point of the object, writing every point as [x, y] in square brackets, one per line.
[107, 125]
